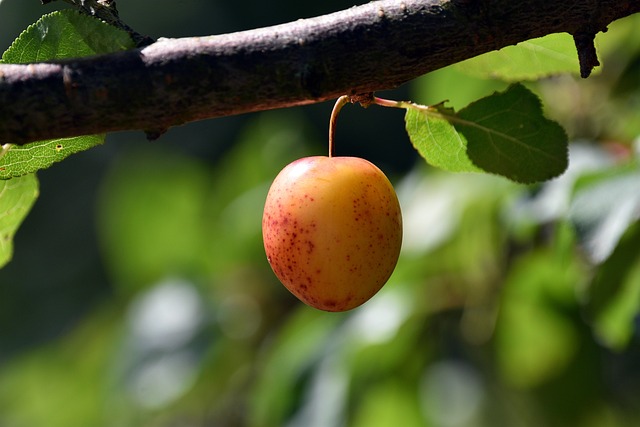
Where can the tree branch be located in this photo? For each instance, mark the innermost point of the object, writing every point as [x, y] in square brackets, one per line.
[368, 48]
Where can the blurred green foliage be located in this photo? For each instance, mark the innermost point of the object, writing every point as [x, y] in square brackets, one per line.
[139, 294]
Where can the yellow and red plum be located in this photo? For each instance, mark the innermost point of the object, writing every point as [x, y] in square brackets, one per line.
[332, 230]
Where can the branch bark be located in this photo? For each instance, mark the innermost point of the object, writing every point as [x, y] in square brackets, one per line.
[368, 48]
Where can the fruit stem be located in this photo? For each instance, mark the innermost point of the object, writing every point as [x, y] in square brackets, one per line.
[344, 99]
[389, 103]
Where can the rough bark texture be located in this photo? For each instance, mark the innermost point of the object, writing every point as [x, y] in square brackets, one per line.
[364, 49]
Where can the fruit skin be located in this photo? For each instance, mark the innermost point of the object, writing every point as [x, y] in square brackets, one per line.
[332, 230]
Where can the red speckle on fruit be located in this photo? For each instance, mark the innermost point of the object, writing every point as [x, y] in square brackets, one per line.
[330, 303]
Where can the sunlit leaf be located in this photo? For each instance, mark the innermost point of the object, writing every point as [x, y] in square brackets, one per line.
[505, 134]
[58, 35]
[529, 60]
[16, 198]
[18, 160]
[65, 34]
[437, 140]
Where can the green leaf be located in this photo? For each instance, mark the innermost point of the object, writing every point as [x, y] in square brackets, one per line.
[437, 140]
[66, 34]
[505, 133]
[529, 60]
[18, 160]
[59, 35]
[16, 198]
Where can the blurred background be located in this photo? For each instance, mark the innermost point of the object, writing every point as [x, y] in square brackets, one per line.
[139, 293]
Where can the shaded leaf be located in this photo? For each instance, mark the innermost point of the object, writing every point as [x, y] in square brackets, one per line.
[529, 60]
[509, 135]
[16, 198]
[59, 35]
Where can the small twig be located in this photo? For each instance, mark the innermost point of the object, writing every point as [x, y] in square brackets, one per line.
[364, 99]
[388, 103]
[341, 102]
[587, 55]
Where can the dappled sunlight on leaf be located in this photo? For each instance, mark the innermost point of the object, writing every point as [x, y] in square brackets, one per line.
[504, 133]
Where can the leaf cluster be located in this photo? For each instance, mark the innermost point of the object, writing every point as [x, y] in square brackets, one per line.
[64, 34]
